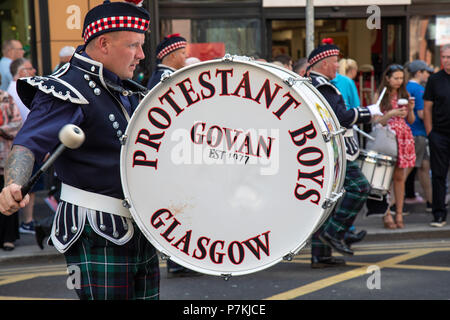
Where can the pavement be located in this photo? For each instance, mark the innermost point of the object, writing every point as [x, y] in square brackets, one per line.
[417, 226]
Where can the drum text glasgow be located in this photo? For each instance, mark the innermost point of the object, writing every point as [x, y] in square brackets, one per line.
[235, 250]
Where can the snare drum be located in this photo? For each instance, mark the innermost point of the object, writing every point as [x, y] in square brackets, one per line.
[378, 169]
[228, 166]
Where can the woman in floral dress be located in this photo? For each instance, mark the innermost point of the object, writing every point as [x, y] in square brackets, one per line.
[395, 116]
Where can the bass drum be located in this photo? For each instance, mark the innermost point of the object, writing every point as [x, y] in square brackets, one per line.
[229, 166]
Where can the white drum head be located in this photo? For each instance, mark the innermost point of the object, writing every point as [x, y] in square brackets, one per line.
[226, 169]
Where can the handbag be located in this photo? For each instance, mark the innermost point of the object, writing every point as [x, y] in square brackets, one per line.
[385, 141]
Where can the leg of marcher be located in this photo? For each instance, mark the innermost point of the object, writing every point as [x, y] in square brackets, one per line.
[110, 272]
[356, 191]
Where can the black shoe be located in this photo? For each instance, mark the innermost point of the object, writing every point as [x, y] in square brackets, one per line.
[351, 237]
[438, 223]
[326, 262]
[40, 236]
[336, 244]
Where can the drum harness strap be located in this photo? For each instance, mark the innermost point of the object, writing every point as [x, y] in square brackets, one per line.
[94, 201]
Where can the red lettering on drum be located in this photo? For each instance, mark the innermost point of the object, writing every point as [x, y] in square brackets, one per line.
[214, 137]
[207, 85]
[140, 159]
[306, 132]
[267, 93]
[290, 101]
[307, 194]
[244, 84]
[308, 156]
[187, 91]
[186, 239]
[145, 137]
[308, 151]
[166, 96]
[312, 176]
[235, 251]
[224, 77]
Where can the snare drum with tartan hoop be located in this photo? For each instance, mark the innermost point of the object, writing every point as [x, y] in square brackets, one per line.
[228, 166]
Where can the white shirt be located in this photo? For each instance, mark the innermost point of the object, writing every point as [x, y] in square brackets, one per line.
[12, 90]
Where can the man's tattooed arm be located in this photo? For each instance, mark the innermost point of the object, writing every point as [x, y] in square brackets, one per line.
[19, 166]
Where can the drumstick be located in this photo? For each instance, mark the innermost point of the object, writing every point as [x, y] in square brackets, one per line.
[381, 96]
[71, 137]
[368, 136]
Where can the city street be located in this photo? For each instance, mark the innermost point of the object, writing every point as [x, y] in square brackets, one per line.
[379, 270]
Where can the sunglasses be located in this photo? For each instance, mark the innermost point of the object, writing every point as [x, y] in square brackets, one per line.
[395, 67]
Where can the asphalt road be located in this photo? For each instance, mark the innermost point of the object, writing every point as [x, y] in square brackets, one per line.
[416, 270]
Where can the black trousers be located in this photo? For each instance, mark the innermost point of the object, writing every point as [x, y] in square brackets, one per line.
[9, 225]
[439, 161]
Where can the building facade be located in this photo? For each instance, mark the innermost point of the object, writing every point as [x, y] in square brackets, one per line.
[375, 32]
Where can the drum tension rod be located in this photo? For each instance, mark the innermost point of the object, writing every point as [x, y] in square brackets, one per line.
[329, 202]
[290, 81]
[126, 203]
[328, 135]
[226, 276]
[123, 139]
[289, 257]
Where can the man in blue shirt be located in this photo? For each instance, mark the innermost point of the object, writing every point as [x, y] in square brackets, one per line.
[420, 72]
[11, 50]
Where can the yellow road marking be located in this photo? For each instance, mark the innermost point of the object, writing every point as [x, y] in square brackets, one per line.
[321, 284]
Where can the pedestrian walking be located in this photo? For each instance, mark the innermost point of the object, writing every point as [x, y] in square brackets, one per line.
[437, 126]
[419, 74]
[397, 106]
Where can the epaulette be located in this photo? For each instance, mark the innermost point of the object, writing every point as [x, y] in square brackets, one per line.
[52, 84]
[318, 81]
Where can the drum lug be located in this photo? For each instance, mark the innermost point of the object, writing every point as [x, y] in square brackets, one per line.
[226, 276]
[126, 203]
[123, 139]
[289, 257]
[328, 135]
[290, 81]
[165, 76]
[329, 202]
[227, 58]
[164, 256]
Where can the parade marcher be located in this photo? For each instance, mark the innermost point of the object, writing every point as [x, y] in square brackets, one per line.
[394, 115]
[171, 54]
[91, 226]
[419, 74]
[437, 125]
[323, 62]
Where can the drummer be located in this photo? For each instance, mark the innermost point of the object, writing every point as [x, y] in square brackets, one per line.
[323, 65]
[102, 245]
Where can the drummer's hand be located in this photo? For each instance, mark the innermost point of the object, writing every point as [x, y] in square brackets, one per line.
[11, 199]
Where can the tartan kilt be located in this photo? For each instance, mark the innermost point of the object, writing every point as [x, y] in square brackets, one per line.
[356, 192]
[110, 271]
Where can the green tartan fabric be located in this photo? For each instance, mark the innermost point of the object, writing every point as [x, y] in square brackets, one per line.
[356, 191]
[113, 272]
